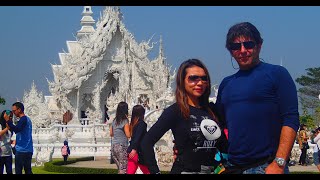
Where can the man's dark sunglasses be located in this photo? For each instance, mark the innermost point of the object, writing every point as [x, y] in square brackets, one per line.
[247, 45]
[195, 78]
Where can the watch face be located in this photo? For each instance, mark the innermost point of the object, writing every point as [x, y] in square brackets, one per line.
[280, 161]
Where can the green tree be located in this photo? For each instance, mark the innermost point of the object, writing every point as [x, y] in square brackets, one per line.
[2, 101]
[310, 90]
[317, 116]
[308, 120]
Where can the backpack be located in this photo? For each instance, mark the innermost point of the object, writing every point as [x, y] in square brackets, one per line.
[64, 150]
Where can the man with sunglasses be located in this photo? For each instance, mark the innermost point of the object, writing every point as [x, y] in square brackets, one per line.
[24, 144]
[259, 105]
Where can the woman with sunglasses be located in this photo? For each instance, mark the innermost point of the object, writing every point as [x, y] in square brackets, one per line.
[195, 127]
[6, 149]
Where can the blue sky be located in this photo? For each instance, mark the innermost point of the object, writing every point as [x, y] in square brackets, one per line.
[32, 36]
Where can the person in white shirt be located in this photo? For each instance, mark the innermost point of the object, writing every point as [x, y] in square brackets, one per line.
[316, 152]
[5, 143]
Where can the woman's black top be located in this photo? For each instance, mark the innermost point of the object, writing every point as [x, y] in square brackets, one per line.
[196, 138]
[138, 133]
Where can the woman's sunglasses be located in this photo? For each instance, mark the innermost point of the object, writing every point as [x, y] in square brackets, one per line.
[247, 45]
[195, 78]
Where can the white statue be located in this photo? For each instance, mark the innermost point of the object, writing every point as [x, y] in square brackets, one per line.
[43, 155]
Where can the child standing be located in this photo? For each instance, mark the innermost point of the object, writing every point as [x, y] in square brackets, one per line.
[65, 151]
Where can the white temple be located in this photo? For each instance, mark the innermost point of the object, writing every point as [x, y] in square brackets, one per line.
[103, 66]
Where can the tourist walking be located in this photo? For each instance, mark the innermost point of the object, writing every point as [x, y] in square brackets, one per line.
[119, 132]
[303, 144]
[24, 144]
[138, 129]
[259, 105]
[196, 129]
[6, 150]
[316, 149]
[65, 151]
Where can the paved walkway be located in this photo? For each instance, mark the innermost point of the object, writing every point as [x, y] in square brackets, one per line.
[102, 162]
[299, 168]
[105, 163]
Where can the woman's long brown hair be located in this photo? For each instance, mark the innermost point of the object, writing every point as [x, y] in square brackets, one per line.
[137, 115]
[181, 94]
[122, 112]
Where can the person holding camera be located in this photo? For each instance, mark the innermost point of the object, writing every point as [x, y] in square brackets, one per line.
[24, 143]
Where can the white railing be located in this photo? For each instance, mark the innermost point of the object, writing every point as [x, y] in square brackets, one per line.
[82, 133]
[89, 139]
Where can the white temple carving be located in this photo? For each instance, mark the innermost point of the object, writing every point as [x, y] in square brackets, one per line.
[107, 66]
[36, 108]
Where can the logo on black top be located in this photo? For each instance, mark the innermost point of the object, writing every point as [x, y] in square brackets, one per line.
[210, 129]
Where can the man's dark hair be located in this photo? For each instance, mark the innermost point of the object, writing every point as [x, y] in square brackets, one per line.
[303, 126]
[19, 105]
[316, 130]
[244, 29]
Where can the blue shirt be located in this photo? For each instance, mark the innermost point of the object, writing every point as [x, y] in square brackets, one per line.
[23, 131]
[256, 103]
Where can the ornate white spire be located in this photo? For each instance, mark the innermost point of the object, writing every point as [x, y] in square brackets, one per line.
[36, 108]
[161, 53]
[87, 22]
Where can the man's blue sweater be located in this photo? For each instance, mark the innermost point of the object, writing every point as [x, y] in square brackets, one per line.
[256, 103]
[23, 131]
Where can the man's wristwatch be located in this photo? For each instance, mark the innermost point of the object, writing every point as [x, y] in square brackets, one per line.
[280, 161]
